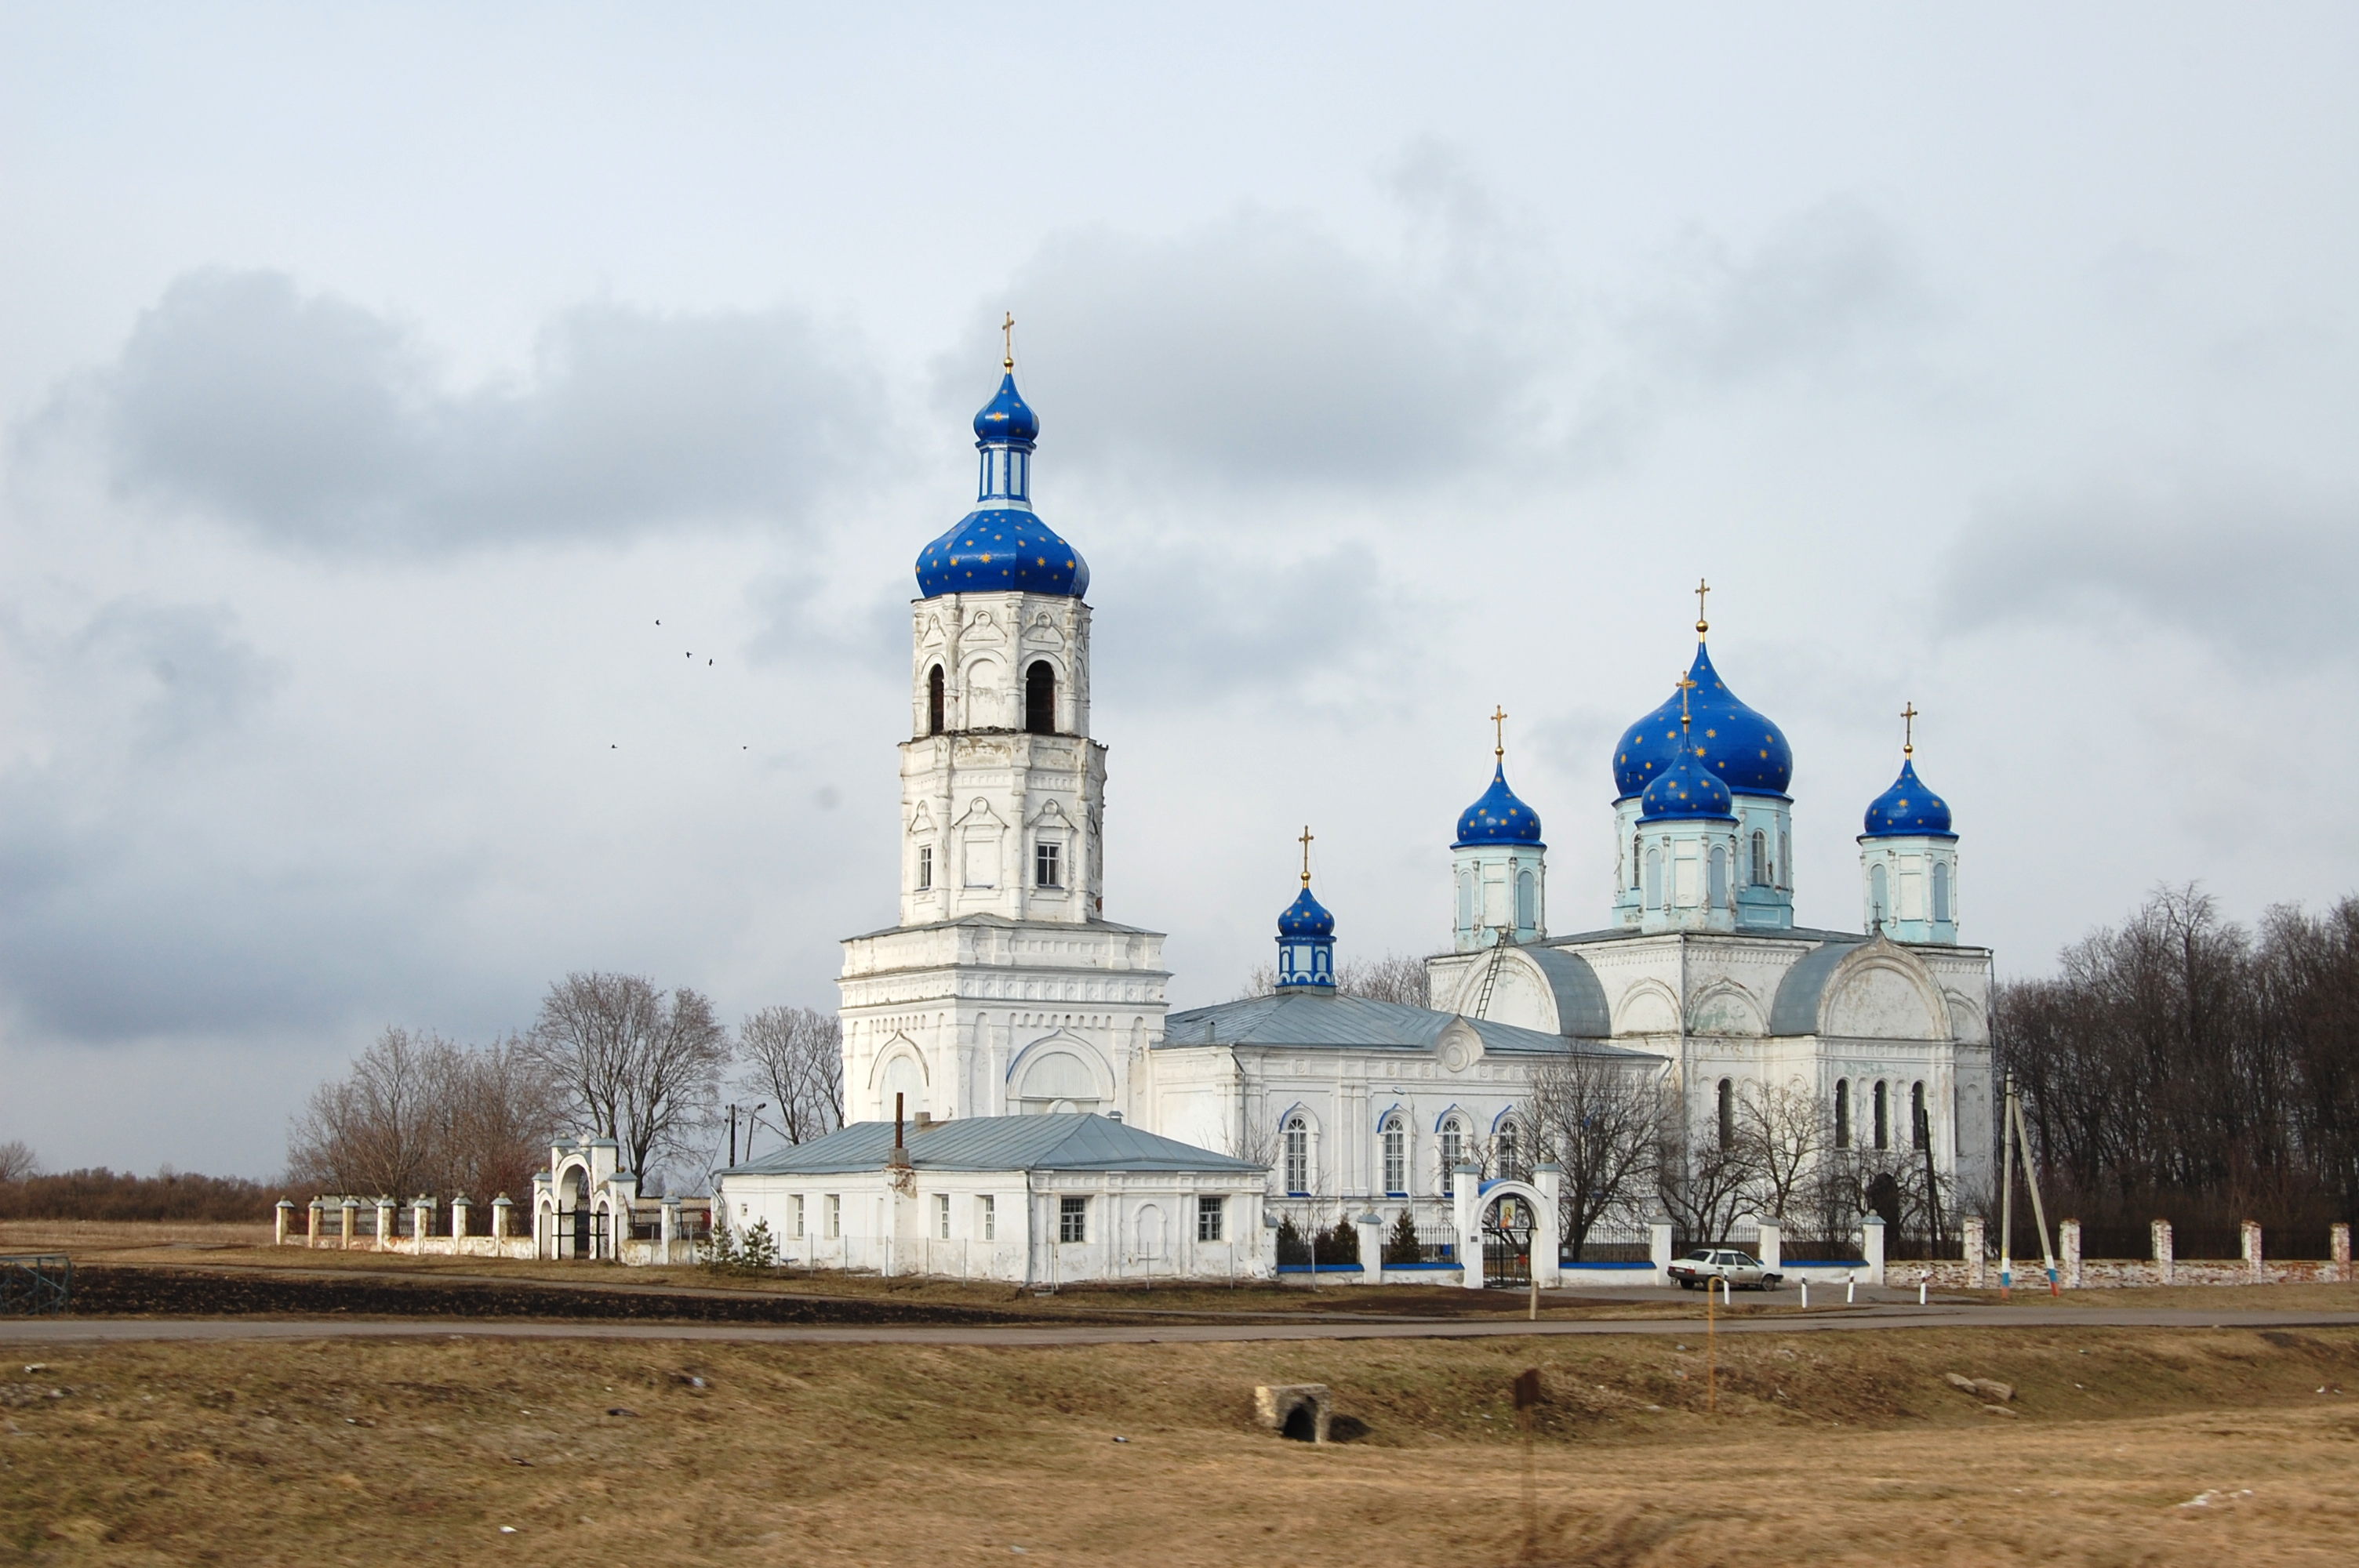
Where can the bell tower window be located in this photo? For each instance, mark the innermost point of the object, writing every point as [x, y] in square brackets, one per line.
[1048, 865]
[925, 867]
[934, 700]
[1041, 698]
[1760, 877]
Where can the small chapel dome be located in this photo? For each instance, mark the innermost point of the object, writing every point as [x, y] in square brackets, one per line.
[1686, 788]
[1742, 748]
[1306, 916]
[1908, 809]
[1499, 817]
[1007, 417]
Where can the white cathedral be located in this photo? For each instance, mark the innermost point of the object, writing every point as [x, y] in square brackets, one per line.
[1005, 991]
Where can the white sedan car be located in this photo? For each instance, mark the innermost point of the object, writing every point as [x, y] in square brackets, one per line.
[1708, 1263]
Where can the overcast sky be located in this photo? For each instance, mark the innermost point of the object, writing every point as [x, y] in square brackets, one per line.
[374, 380]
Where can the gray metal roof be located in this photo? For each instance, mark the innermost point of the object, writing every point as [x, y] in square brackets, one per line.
[1054, 1142]
[1352, 1023]
[1795, 1010]
[1580, 1006]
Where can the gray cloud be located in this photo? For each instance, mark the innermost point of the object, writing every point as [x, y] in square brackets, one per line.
[2264, 577]
[323, 426]
[1254, 350]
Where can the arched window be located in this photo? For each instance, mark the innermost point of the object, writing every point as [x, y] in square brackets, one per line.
[1041, 698]
[1527, 902]
[1941, 889]
[1719, 883]
[1454, 1152]
[1883, 1118]
[1633, 862]
[1843, 1113]
[1655, 878]
[1920, 1134]
[1760, 877]
[1879, 898]
[1727, 1112]
[1466, 897]
[1297, 1156]
[934, 700]
[1783, 870]
[1395, 1136]
[1510, 1153]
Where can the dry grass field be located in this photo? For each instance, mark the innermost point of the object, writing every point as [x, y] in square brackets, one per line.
[2120, 1447]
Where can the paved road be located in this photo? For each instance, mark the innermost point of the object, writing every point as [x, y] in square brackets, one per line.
[66, 1331]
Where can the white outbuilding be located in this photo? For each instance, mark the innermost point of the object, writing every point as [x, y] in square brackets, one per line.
[1039, 1200]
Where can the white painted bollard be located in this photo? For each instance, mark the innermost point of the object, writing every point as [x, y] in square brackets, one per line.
[1806, 1295]
[1921, 1292]
[1850, 1285]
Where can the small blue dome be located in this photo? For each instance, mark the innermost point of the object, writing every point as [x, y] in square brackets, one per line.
[1746, 751]
[1499, 817]
[1002, 547]
[1306, 916]
[1007, 417]
[1908, 810]
[1686, 788]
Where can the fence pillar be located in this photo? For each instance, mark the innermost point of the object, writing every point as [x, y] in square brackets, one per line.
[351, 1217]
[311, 1223]
[2068, 1248]
[2160, 1247]
[2253, 1251]
[283, 1221]
[2338, 1246]
[384, 1207]
[1547, 1246]
[1658, 1249]
[421, 1221]
[1976, 1243]
[1466, 1206]
[1772, 1246]
[461, 1208]
[1871, 1231]
[670, 1222]
[502, 1209]
[1372, 1249]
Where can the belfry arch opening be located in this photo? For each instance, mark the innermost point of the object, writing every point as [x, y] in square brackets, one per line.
[1041, 698]
[934, 700]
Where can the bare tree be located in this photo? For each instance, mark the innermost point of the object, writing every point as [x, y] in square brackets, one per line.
[17, 1161]
[1780, 1131]
[1701, 1179]
[375, 1131]
[1599, 1117]
[498, 1109]
[639, 1065]
[795, 1056]
[1395, 977]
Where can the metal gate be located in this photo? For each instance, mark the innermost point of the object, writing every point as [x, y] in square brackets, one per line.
[584, 1233]
[36, 1284]
[1507, 1243]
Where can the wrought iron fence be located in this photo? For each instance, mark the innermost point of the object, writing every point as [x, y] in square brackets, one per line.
[36, 1284]
[1434, 1244]
[1837, 1249]
[1607, 1246]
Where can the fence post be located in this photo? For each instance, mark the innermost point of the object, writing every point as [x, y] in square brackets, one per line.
[352, 1220]
[1466, 1199]
[283, 1221]
[503, 1209]
[1871, 1230]
[421, 1221]
[1658, 1249]
[1547, 1246]
[1975, 1245]
[1773, 1246]
[671, 1225]
[2161, 1248]
[461, 1207]
[2253, 1251]
[2068, 1246]
[1371, 1247]
[2338, 1246]
[385, 1223]
[311, 1223]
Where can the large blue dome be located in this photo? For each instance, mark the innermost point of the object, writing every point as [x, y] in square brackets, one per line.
[1742, 748]
[1499, 817]
[1007, 417]
[1306, 916]
[1908, 810]
[1686, 788]
[1002, 547]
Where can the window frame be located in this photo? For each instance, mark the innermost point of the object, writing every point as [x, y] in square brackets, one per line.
[834, 1208]
[1393, 1139]
[1294, 1138]
[1072, 1220]
[1211, 1217]
[989, 1213]
[1049, 864]
[942, 1217]
[925, 867]
[796, 1201]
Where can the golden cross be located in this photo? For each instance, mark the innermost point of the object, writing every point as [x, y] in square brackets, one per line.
[1703, 625]
[1007, 337]
[1305, 854]
[1499, 722]
[1908, 731]
[1687, 684]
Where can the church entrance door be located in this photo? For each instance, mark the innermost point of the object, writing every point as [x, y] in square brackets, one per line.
[1507, 1242]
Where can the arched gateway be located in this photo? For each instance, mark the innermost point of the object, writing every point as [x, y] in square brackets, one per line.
[1510, 1226]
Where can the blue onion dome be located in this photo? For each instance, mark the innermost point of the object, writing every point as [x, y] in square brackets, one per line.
[1686, 788]
[1007, 417]
[1745, 751]
[1306, 916]
[1499, 817]
[1908, 809]
[1002, 548]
